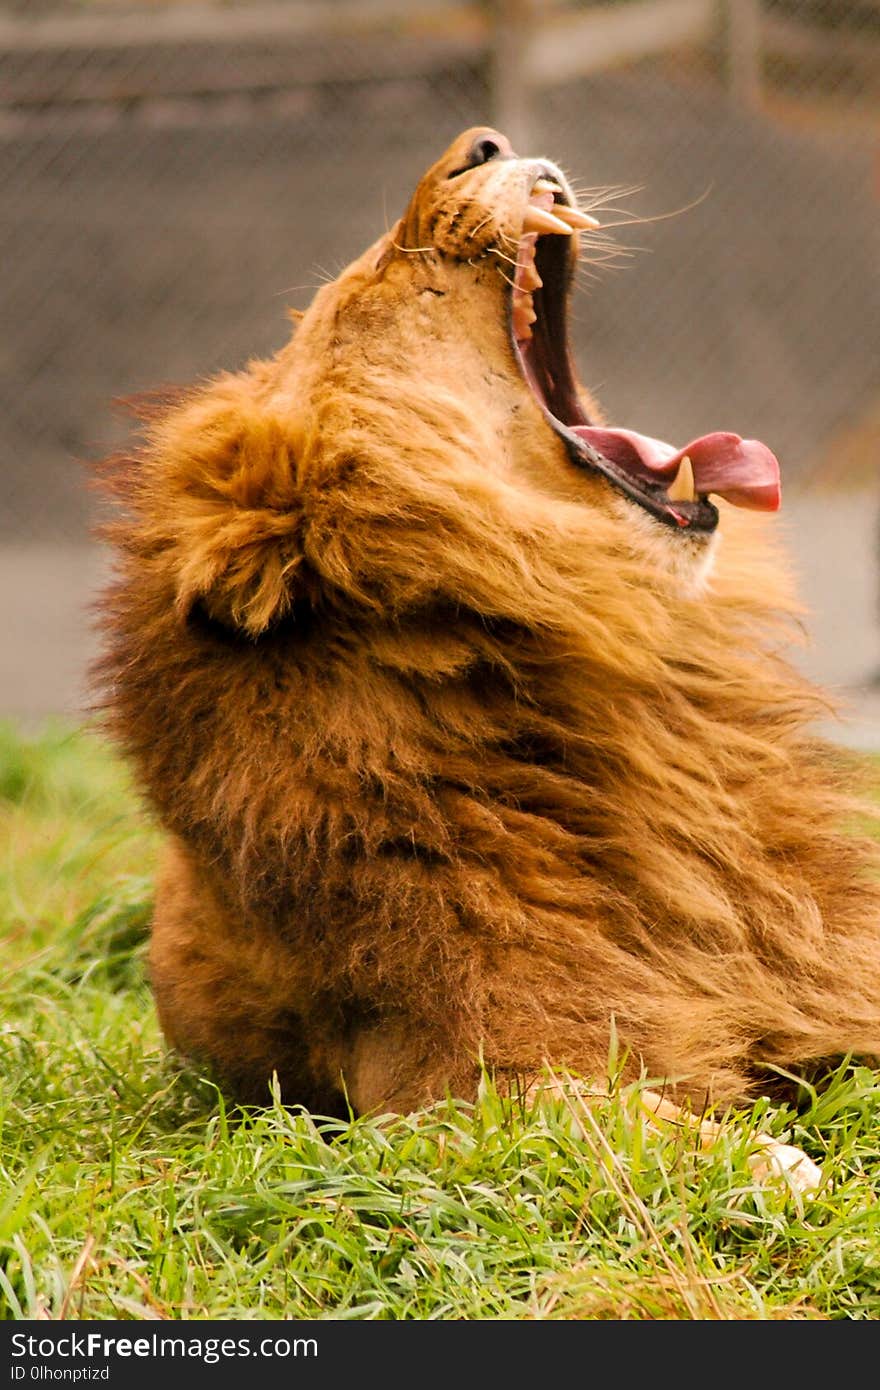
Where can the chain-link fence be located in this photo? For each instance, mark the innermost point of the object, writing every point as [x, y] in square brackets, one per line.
[173, 177]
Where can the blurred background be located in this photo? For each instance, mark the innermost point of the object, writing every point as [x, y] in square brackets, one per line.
[174, 175]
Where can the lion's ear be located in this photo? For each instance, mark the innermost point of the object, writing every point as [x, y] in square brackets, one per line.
[246, 582]
[231, 507]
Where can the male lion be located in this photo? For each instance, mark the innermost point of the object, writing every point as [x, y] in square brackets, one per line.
[470, 740]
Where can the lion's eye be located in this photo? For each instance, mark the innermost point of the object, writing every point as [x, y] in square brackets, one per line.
[480, 152]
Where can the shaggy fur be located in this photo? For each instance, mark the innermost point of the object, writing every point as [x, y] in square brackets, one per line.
[457, 755]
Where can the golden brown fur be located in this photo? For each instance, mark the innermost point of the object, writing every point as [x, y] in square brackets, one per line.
[455, 756]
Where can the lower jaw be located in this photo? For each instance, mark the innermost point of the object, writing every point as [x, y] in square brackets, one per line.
[698, 519]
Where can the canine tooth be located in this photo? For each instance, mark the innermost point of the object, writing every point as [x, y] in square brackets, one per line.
[574, 216]
[537, 220]
[682, 489]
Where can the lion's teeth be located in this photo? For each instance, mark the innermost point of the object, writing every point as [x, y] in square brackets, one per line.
[523, 309]
[537, 220]
[528, 277]
[574, 217]
[682, 489]
[523, 315]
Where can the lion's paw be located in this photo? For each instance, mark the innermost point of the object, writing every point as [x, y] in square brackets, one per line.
[784, 1160]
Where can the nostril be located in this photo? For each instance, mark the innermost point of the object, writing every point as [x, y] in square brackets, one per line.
[483, 150]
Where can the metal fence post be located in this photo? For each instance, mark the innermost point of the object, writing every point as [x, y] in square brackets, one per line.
[510, 88]
[742, 23]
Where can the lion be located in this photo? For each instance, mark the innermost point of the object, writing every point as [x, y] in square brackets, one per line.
[465, 713]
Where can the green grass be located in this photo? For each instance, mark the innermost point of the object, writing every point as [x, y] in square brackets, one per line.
[128, 1189]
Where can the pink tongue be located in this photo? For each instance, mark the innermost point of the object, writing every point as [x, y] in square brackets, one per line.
[742, 471]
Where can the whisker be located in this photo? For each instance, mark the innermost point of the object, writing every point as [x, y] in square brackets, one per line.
[412, 250]
[607, 257]
[595, 236]
[591, 269]
[601, 197]
[480, 225]
[607, 245]
[294, 289]
[629, 221]
[509, 240]
[621, 212]
[325, 276]
[613, 190]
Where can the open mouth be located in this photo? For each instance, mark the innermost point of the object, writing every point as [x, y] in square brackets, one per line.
[673, 485]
